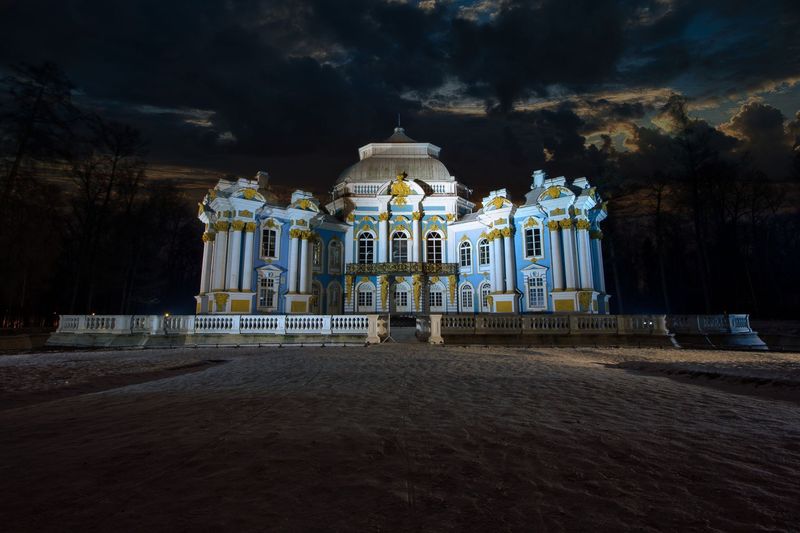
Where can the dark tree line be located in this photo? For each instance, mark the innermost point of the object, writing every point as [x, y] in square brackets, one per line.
[83, 229]
[696, 226]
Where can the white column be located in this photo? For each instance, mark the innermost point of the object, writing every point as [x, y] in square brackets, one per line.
[220, 253]
[294, 253]
[597, 243]
[302, 263]
[497, 262]
[383, 240]
[247, 266]
[308, 262]
[556, 261]
[415, 245]
[208, 259]
[569, 254]
[511, 271]
[234, 254]
[584, 254]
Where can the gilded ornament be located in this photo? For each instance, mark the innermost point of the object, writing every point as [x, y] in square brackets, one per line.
[554, 192]
[399, 279]
[295, 233]
[364, 279]
[245, 213]
[585, 300]
[200, 208]
[500, 221]
[557, 212]
[270, 223]
[582, 224]
[553, 225]
[301, 222]
[452, 282]
[250, 227]
[348, 282]
[208, 236]
[416, 215]
[306, 235]
[212, 193]
[451, 217]
[595, 234]
[530, 223]
[249, 194]
[304, 204]
[565, 223]
[383, 216]
[507, 232]
[384, 282]
[221, 225]
[226, 214]
[434, 279]
[350, 217]
[417, 285]
[237, 225]
[221, 299]
[490, 300]
[497, 202]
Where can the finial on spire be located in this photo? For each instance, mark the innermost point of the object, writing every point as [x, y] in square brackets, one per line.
[398, 120]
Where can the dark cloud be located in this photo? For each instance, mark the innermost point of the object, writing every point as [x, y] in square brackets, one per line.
[229, 84]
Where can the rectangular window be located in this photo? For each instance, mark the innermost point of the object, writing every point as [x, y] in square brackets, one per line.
[465, 255]
[436, 299]
[268, 242]
[267, 296]
[401, 299]
[536, 296]
[365, 299]
[533, 242]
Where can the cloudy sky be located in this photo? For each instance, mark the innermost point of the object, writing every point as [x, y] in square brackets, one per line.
[295, 86]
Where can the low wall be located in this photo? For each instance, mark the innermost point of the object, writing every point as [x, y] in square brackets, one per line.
[552, 330]
[715, 331]
[213, 330]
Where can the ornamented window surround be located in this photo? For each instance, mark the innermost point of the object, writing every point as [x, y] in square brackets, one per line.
[274, 225]
[275, 275]
[334, 268]
[488, 264]
[358, 247]
[540, 274]
[535, 226]
[462, 289]
[465, 245]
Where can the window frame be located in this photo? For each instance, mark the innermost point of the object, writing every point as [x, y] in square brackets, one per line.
[535, 231]
[466, 288]
[465, 246]
[484, 243]
[275, 227]
[405, 239]
[273, 279]
[540, 286]
[433, 239]
[362, 237]
[486, 288]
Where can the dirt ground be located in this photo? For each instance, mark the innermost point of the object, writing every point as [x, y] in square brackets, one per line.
[400, 438]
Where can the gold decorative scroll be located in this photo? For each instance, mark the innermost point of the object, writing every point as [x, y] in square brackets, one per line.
[582, 224]
[565, 223]
[553, 225]
[221, 225]
[451, 280]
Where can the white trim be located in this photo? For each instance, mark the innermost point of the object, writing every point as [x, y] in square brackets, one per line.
[461, 307]
[277, 227]
[368, 287]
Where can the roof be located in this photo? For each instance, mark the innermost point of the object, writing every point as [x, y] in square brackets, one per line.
[383, 161]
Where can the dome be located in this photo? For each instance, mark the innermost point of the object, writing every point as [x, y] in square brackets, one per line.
[380, 169]
[383, 161]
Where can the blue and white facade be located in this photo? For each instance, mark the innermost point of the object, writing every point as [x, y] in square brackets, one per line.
[400, 235]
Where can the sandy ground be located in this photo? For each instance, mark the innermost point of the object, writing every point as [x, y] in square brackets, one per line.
[402, 437]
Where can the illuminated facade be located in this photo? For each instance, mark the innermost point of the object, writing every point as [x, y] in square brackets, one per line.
[401, 235]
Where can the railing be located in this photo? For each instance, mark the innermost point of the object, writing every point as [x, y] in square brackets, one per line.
[366, 189]
[553, 324]
[709, 324]
[218, 324]
[445, 269]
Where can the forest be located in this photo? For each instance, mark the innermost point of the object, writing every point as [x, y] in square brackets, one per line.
[700, 221]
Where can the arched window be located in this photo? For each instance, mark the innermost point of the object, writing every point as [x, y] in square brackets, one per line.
[334, 298]
[402, 297]
[365, 297]
[433, 247]
[366, 248]
[533, 242]
[335, 257]
[316, 298]
[483, 252]
[465, 254]
[436, 297]
[399, 247]
[316, 255]
[467, 303]
[486, 290]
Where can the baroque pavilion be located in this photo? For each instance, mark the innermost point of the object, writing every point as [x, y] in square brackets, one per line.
[400, 235]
